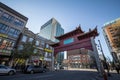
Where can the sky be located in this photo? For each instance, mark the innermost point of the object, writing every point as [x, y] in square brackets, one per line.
[69, 13]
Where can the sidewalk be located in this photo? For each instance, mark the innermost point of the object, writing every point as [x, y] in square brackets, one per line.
[82, 69]
[114, 76]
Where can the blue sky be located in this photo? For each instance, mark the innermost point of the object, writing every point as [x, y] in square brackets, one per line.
[69, 13]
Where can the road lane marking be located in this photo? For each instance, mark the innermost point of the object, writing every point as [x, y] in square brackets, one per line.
[43, 76]
[33, 77]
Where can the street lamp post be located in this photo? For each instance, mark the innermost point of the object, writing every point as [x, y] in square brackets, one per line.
[96, 55]
[99, 65]
[52, 66]
[102, 50]
[104, 59]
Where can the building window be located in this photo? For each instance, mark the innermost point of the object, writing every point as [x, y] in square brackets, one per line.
[18, 22]
[20, 47]
[37, 43]
[16, 33]
[42, 43]
[3, 28]
[116, 29]
[46, 54]
[13, 32]
[1, 25]
[13, 43]
[111, 30]
[35, 51]
[11, 19]
[0, 11]
[7, 17]
[30, 39]
[0, 40]
[47, 46]
[49, 54]
[110, 27]
[24, 38]
[68, 41]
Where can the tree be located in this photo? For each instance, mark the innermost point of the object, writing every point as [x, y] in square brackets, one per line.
[26, 52]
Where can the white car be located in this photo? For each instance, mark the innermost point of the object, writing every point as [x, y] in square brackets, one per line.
[7, 70]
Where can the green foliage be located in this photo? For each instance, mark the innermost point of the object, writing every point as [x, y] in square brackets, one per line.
[26, 52]
[16, 54]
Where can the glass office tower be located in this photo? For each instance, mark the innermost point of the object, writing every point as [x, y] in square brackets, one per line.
[51, 29]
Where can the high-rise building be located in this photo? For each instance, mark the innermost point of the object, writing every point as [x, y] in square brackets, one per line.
[12, 24]
[109, 30]
[51, 29]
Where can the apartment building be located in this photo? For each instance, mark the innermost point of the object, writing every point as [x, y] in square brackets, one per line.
[109, 32]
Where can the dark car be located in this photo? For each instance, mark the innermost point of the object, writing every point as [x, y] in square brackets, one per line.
[34, 69]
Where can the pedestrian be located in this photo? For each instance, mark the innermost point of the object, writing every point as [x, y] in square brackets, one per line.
[45, 66]
[117, 67]
[23, 67]
[108, 69]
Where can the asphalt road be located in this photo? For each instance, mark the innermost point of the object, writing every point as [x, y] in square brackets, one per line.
[56, 75]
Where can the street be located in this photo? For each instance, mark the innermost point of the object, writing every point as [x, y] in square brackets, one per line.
[56, 75]
[60, 75]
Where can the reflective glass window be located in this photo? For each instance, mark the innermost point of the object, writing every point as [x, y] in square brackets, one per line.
[0, 11]
[3, 28]
[30, 39]
[11, 31]
[24, 38]
[35, 51]
[37, 43]
[14, 32]
[68, 41]
[42, 43]
[1, 25]
[13, 44]
[7, 17]
[11, 19]
[47, 46]
[18, 22]
[0, 40]
[20, 47]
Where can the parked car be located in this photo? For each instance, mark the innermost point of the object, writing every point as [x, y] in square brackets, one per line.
[34, 69]
[7, 70]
